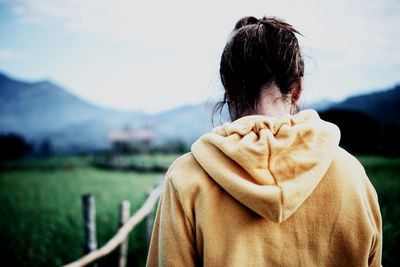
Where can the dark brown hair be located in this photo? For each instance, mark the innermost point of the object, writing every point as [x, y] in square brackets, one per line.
[259, 52]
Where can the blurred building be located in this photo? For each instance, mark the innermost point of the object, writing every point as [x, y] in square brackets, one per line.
[132, 139]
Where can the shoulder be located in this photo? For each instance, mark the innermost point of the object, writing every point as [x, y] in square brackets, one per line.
[351, 169]
[348, 161]
[183, 164]
[356, 183]
[186, 175]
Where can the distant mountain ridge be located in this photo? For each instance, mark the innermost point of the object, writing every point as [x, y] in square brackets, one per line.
[42, 111]
[381, 105]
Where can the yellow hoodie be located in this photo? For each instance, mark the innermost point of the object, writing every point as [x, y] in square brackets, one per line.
[262, 191]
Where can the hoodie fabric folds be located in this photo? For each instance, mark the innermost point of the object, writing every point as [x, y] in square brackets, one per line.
[262, 191]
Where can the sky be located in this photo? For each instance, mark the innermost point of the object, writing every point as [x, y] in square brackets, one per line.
[155, 55]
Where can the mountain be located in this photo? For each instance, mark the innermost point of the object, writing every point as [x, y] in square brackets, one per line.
[186, 123]
[43, 111]
[321, 105]
[382, 105]
[369, 123]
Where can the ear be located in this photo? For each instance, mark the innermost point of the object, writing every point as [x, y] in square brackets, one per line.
[296, 91]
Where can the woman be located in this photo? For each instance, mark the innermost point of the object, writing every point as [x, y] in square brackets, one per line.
[271, 188]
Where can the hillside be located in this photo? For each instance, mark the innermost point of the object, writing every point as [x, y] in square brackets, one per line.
[43, 111]
[381, 105]
[369, 123]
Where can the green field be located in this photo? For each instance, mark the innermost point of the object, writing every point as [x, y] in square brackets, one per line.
[41, 216]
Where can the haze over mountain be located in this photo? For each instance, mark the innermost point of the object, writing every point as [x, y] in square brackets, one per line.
[383, 106]
[43, 111]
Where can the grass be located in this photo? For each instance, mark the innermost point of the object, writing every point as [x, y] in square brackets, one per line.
[41, 216]
[157, 159]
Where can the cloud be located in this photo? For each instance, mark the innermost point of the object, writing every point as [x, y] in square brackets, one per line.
[338, 26]
[334, 26]
[9, 54]
[176, 44]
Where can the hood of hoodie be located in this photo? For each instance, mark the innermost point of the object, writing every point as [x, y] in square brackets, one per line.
[268, 164]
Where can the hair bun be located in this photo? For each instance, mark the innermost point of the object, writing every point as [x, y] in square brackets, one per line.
[246, 21]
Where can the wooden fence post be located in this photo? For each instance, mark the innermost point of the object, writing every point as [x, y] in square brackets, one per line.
[123, 232]
[124, 213]
[89, 216]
